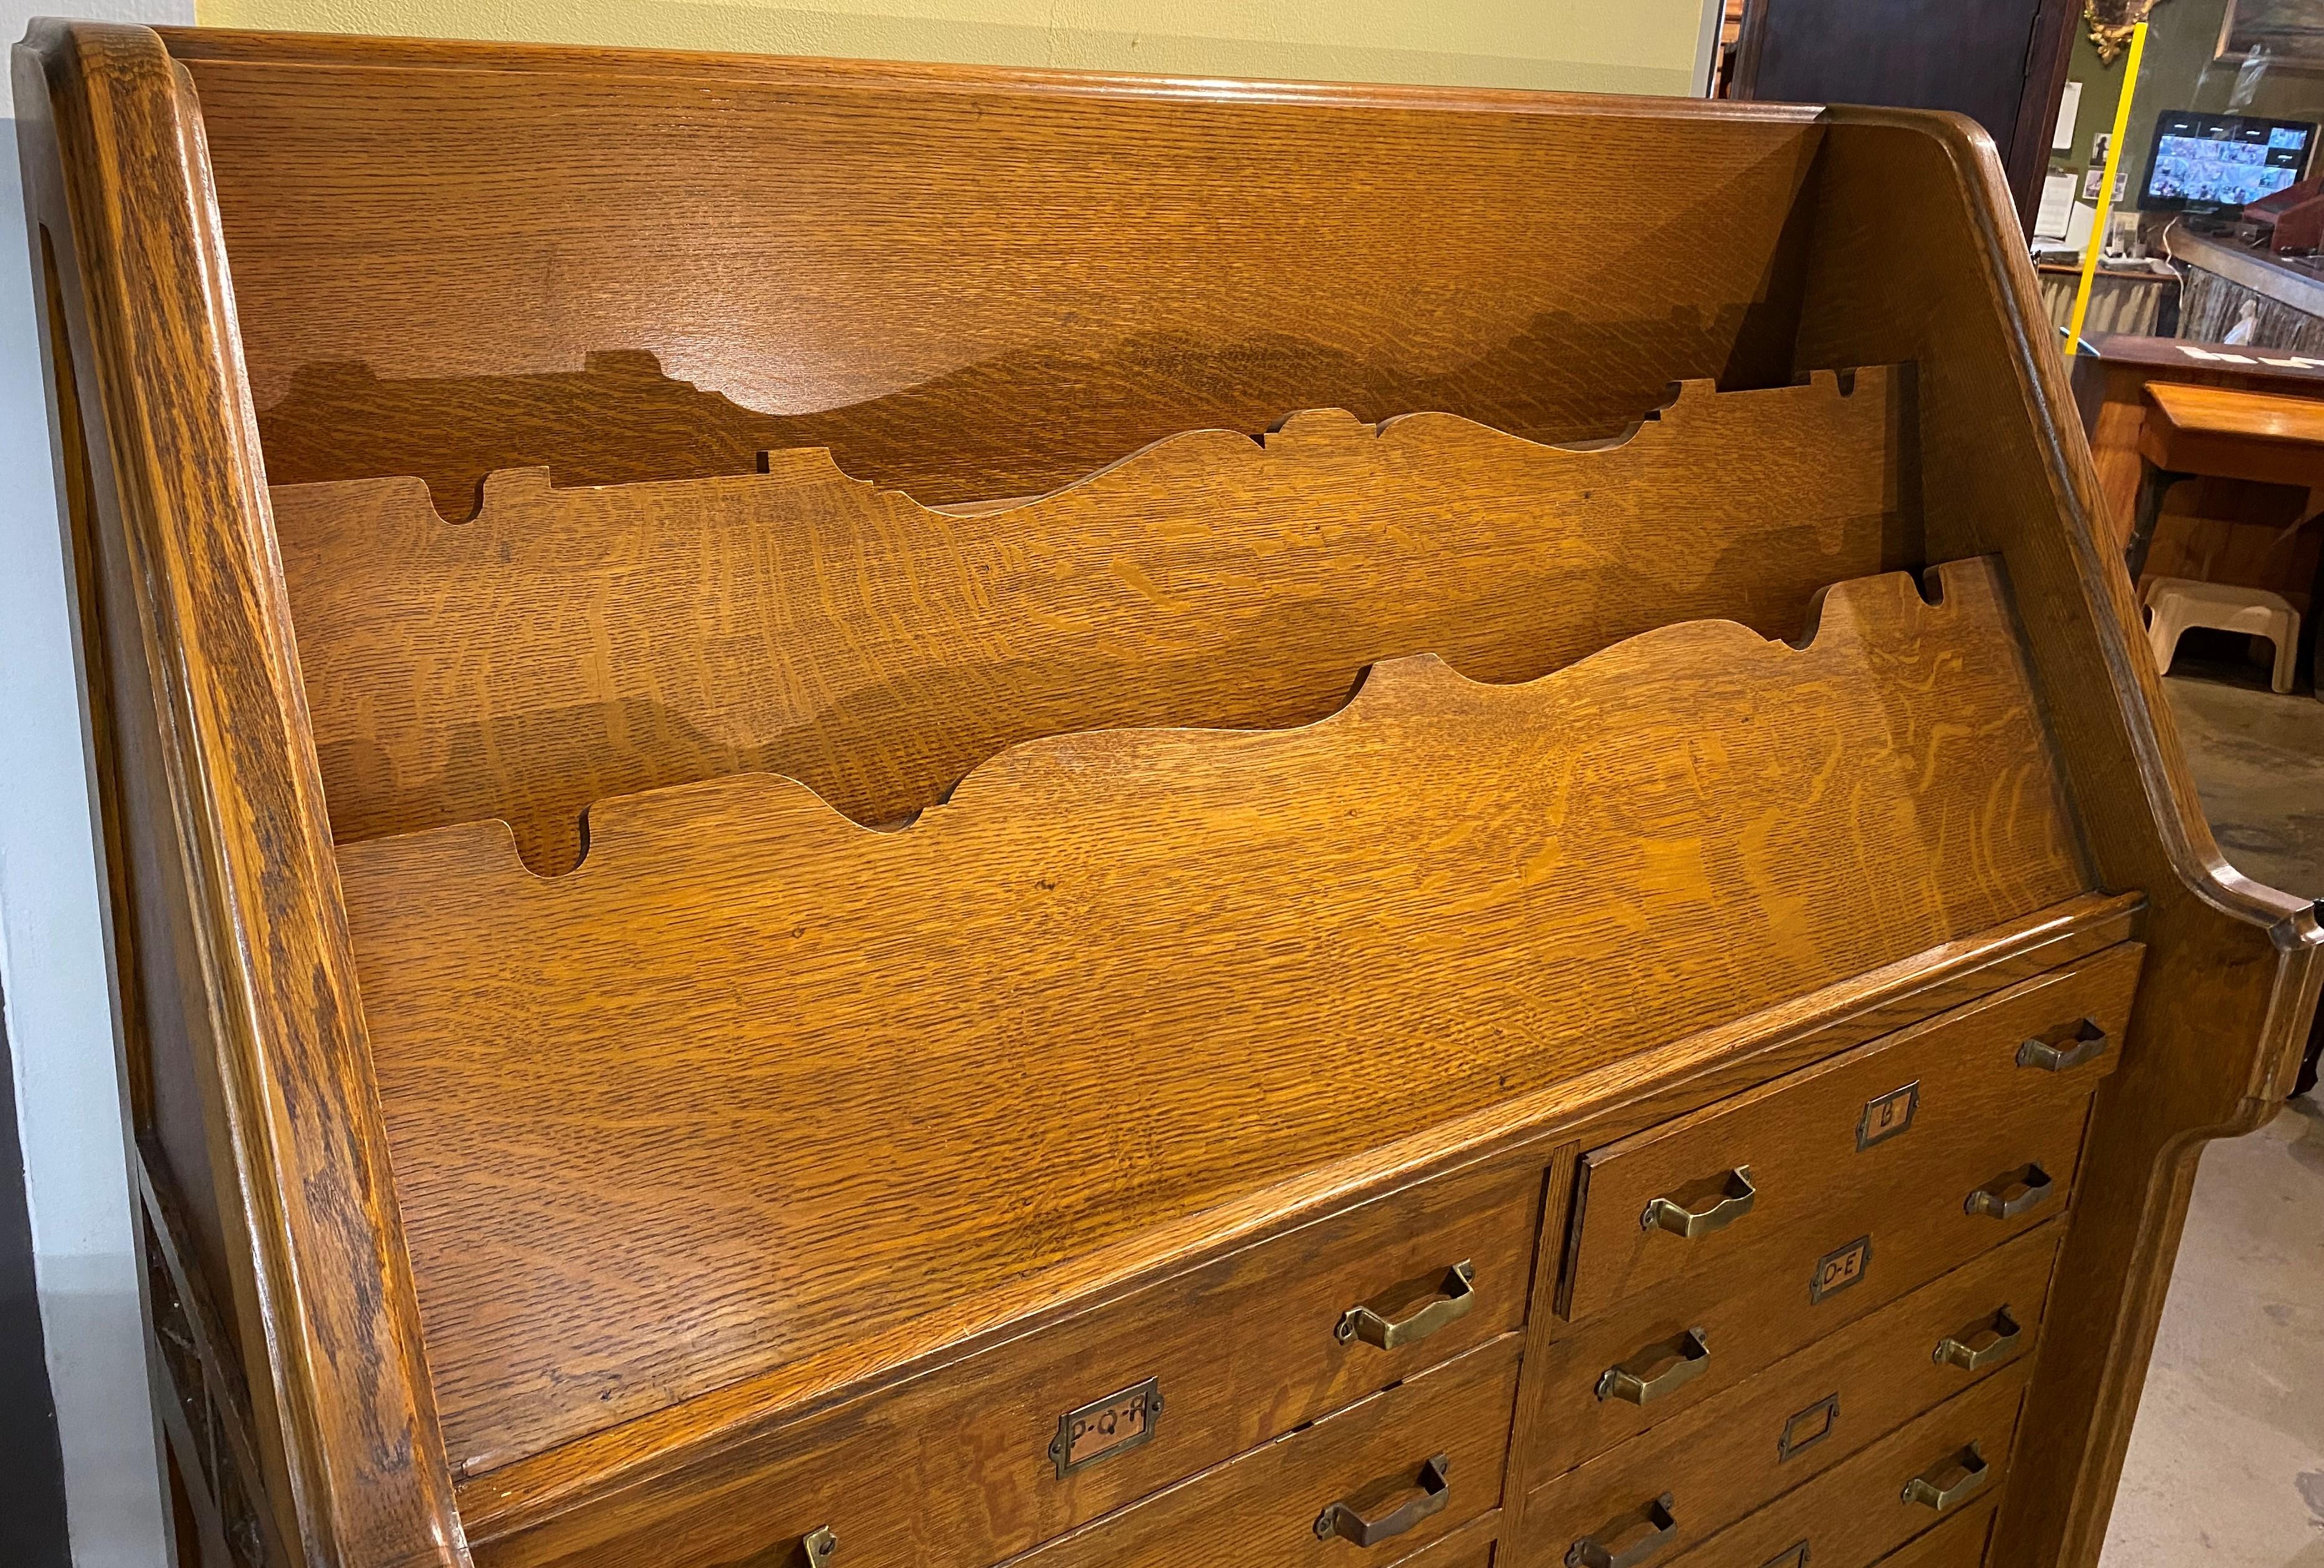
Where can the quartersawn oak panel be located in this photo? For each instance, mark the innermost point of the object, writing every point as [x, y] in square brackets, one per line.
[758, 1088]
[1751, 1296]
[1976, 1114]
[1854, 1514]
[1366, 1455]
[967, 282]
[985, 1491]
[574, 644]
[1725, 1458]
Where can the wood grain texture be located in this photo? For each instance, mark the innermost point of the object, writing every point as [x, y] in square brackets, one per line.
[1807, 1414]
[1917, 259]
[1266, 1501]
[571, 644]
[1484, 848]
[1751, 1297]
[1957, 1543]
[968, 284]
[988, 1489]
[1852, 1515]
[455, 228]
[2109, 379]
[1973, 1112]
[2210, 411]
[239, 905]
[592, 1489]
[2243, 435]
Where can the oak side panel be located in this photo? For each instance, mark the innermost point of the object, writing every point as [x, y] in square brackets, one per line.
[573, 644]
[218, 801]
[1916, 257]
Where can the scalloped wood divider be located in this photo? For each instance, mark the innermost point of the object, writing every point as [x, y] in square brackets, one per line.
[573, 644]
[757, 1092]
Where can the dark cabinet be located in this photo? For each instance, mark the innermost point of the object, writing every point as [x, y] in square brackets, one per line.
[2001, 63]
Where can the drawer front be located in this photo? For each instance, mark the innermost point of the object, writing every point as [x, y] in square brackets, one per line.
[1909, 1483]
[1890, 1140]
[1957, 1543]
[1806, 1415]
[1703, 1335]
[1237, 1353]
[1374, 1483]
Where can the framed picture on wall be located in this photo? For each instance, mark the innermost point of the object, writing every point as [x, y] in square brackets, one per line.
[2288, 32]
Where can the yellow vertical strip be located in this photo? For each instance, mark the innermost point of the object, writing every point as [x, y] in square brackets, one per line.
[2105, 191]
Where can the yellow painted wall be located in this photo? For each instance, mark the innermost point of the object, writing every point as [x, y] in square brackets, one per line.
[1640, 46]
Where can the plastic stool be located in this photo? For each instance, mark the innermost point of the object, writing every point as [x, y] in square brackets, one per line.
[2175, 604]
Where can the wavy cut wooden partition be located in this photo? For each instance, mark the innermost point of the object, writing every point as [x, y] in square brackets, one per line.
[575, 643]
[614, 1190]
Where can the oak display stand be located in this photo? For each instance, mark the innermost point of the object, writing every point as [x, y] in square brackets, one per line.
[909, 816]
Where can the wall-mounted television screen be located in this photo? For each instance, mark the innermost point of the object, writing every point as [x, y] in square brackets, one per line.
[2221, 163]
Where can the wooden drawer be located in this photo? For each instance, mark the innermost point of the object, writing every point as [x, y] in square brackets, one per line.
[1273, 1508]
[1472, 1545]
[1750, 1313]
[1956, 1542]
[1885, 1142]
[1806, 1413]
[1857, 1512]
[1239, 1352]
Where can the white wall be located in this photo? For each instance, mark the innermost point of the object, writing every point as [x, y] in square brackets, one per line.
[52, 946]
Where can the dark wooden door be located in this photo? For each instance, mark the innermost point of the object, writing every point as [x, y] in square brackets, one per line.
[2001, 63]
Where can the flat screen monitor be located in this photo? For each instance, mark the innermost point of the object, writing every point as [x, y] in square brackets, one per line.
[2221, 163]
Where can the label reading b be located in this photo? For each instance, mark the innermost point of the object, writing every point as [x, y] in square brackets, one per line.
[1887, 1116]
[1114, 1424]
[1842, 1267]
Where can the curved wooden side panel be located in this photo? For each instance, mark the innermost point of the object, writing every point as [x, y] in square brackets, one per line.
[1918, 256]
[237, 981]
[572, 644]
[760, 1091]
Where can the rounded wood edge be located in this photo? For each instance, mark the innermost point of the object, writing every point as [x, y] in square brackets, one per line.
[394, 51]
[2184, 833]
[335, 1360]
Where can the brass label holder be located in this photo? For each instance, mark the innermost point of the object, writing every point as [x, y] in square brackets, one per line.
[1841, 1267]
[1105, 1427]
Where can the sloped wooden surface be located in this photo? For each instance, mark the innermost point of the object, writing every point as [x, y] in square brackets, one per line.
[758, 1090]
[572, 644]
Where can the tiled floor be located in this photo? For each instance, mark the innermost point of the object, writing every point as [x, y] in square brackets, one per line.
[2226, 1460]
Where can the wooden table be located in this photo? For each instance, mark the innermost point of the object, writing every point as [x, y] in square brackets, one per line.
[2111, 375]
[2195, 430]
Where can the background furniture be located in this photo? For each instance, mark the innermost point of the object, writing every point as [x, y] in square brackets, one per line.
[2231, 530]
[2124, 299]
[2176, 604]
[2001, 63]
[1497, 1119]
[2225, 279]
[2191, 431]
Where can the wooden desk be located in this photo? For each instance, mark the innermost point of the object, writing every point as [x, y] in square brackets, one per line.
[2191, 431]
[2110, 378]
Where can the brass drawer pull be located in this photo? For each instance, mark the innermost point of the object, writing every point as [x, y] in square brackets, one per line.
[1669, 1214]
[818, 1544]
[1435, 1490]
[2004, 1331]
[1661, 1526]
[2079, 1045]
[2033, 1185]
[1690, 1357]
[1973, 1470]
[1456, 1295]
